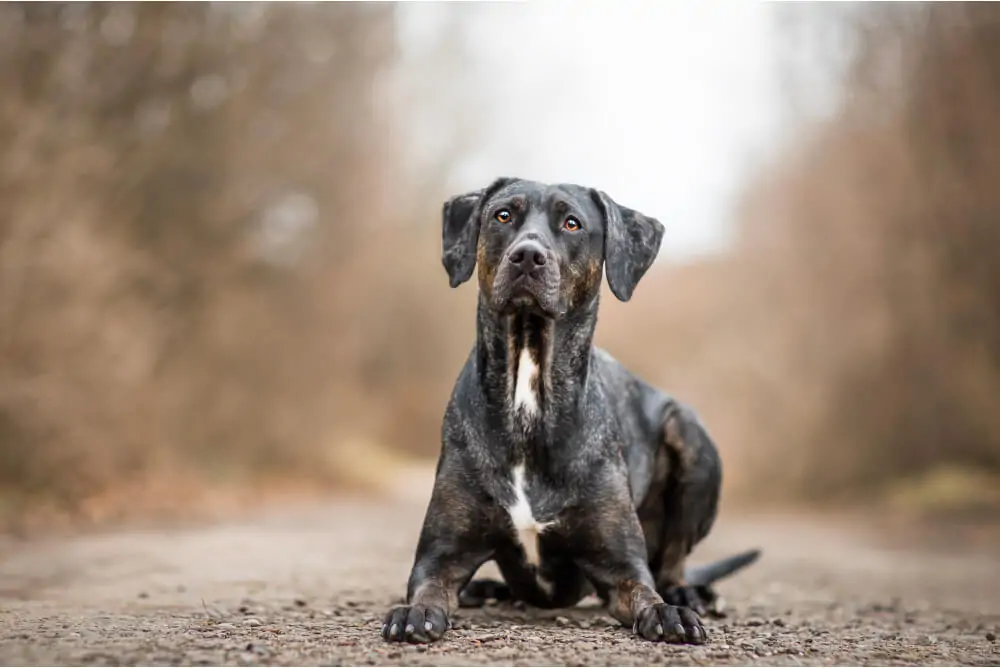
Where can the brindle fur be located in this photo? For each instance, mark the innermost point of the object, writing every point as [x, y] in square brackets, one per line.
[627, 476]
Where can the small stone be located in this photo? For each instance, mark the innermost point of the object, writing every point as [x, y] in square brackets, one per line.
[755, 622]
[926, 641]
[992, 637]
[301, 602]
[779, 622]
[244, 610]
[226, 626]
[143, 594]
[562, 621]
[251, 621]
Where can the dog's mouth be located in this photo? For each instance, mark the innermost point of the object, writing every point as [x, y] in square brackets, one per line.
[526, 293]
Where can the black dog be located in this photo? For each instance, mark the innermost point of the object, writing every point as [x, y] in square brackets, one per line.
[557, 463]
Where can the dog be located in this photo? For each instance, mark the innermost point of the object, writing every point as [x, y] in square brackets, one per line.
[572, 474]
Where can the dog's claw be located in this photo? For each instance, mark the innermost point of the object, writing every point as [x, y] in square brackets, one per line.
[683, 624]
[414, 624]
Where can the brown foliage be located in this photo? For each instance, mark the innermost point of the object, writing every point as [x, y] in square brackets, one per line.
[851, 339]
[207, 262]
[216, 268]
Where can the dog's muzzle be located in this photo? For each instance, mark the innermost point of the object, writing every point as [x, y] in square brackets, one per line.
[528, 277]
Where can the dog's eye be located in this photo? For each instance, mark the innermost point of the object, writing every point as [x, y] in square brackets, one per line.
[502, 216]
[571, 224]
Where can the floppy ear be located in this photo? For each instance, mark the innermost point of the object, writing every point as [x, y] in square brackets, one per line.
[631, 242]
[460, 231]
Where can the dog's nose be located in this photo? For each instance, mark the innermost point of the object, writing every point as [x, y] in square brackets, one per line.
[527, 255]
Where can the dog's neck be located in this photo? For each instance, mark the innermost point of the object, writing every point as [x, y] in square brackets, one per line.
[534, 369]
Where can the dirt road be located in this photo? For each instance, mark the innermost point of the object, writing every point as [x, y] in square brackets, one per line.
[310, 586]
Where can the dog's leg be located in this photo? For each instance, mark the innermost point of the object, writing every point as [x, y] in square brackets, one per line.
[478, 592]
[688, 504]
[452, 546]
[612, 553]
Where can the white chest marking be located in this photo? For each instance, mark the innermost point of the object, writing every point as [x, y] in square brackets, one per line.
[525, 396]
[527, 527]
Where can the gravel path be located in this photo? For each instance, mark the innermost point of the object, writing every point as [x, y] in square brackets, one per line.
[310, 586]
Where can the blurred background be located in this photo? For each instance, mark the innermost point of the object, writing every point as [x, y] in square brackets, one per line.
[220, 276]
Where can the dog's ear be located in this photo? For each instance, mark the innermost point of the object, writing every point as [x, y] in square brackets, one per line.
[631, 242]
[460, 231]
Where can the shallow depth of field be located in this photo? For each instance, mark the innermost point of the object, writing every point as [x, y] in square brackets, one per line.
[220, 276]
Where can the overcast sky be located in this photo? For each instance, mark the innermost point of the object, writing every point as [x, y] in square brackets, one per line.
[664, 105]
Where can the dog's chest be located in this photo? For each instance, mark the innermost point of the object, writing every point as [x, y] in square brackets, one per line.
[526, 384]
[523, 515]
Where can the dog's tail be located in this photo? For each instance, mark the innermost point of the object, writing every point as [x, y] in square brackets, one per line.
[703, 576]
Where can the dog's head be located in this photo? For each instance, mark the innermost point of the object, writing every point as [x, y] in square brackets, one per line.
[541, 247]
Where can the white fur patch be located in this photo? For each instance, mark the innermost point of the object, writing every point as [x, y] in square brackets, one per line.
[525, 396]
[523, 517]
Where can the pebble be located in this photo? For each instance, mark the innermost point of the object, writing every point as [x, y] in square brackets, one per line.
[252, 621]
[562, 621]
[257, 647]
[226, 626]
[991, 637]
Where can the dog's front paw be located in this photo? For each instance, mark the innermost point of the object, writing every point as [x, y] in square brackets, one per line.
[414, 623]
[670, 623]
